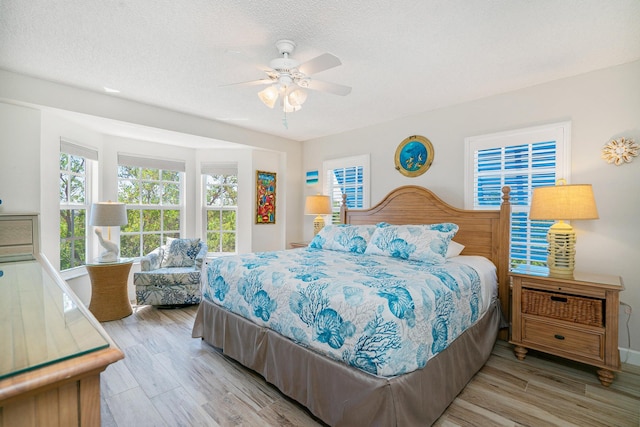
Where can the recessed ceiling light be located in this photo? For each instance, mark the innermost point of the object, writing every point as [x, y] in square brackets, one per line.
[110, 90]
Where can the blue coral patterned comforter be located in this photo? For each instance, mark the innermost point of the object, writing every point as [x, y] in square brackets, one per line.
[383, 315]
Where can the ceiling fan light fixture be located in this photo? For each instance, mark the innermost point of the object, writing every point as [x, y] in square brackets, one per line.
[269, 96]
[287, 107]
[297, 97]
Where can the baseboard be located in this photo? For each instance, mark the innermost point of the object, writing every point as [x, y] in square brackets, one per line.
[632, 357]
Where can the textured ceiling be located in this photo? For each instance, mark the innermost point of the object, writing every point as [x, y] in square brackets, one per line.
[401, 58]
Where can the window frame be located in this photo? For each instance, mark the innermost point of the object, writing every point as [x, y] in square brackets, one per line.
[211, 170]
[529, 236]
[328, 166]
[160, 167]
[90, 159]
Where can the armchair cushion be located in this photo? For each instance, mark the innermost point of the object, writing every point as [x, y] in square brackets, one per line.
[160, 284]
[152, 260]
[180, 252]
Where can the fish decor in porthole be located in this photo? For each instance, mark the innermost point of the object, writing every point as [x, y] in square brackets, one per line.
[414, 156]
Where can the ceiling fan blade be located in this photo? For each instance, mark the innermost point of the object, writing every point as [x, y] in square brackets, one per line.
[250, 83]
[334, 88]
[319, 63]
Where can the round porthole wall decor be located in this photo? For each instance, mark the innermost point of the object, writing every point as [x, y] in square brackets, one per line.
[619, 151]
[414, 156]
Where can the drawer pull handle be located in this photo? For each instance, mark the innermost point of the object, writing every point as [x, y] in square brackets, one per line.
[558, 337]
[559, 299]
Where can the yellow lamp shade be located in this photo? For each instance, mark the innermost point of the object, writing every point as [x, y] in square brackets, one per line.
[562, 202]
[317, 205]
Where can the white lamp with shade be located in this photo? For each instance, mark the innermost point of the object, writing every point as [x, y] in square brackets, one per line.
[108, 214]
[317, 205]
[562, 202]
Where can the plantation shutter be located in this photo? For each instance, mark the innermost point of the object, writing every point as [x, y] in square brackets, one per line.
[348, 175]
[349, 181]
[522, 167]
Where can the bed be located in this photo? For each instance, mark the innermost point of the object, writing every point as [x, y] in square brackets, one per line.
[333, 368]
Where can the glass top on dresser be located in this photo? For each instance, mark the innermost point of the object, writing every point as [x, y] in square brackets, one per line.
[40, 323]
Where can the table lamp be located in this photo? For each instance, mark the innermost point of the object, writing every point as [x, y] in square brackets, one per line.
[317, 205]
[108, 214]
[562, 202]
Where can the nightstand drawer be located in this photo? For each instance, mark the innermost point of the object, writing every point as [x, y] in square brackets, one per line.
[587, 311]
[583, 343]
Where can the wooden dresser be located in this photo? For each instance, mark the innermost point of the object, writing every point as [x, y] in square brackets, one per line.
[52, 349]
[575, 318]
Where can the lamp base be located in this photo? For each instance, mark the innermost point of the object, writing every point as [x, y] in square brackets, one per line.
[111, 251]
[318, 224]
[562, 249]
[108, 257]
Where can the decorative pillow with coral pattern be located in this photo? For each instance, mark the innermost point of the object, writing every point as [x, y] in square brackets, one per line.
[343, 237]
[180, 252]
[426, 243]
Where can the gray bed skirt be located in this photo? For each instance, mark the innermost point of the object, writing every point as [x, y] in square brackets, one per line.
[341, 395]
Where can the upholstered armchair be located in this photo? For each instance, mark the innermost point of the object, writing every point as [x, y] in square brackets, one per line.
[172, 275]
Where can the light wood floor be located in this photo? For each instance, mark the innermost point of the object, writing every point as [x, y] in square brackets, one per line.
[170, 379]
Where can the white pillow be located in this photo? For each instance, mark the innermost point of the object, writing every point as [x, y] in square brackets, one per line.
[426, 243]
[454, 249]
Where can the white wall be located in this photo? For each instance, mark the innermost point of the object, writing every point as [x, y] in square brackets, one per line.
[600, 105]
[19, 159]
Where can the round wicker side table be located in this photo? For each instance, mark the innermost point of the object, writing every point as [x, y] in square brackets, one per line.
[109, 293]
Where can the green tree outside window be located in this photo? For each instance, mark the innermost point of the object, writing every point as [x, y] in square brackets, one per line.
[221, 203]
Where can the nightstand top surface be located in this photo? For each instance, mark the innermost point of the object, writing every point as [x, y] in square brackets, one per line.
[578, 276]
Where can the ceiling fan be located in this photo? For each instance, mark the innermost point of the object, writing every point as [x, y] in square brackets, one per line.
[288, 78]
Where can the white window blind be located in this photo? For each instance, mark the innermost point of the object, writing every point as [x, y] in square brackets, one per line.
[219, 168]
[523, 160]
[350, 176]
[151, 163]
[74, 149]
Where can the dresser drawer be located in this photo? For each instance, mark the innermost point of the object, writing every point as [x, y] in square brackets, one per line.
[18, 237]
[560, 339]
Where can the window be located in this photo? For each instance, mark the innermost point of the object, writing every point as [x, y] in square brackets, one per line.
[522, 159]
[153, 192]
[75, 199]
[350, 176]
[220, 183]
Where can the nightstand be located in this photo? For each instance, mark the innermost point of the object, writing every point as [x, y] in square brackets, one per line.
[575, 318]
[295, 245]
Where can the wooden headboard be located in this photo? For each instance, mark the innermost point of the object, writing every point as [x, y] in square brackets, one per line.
[482, 232]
